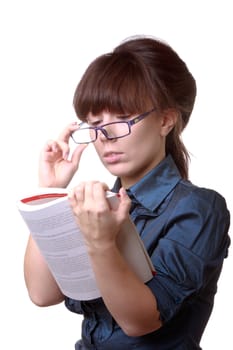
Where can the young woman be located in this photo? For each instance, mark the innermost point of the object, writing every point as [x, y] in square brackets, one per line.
[135, 102]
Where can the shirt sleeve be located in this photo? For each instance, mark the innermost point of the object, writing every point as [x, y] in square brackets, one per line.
[189, 256]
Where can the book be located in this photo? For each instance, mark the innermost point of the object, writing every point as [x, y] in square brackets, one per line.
[51, 222]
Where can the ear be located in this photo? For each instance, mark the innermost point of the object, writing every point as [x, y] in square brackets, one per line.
[168, 121]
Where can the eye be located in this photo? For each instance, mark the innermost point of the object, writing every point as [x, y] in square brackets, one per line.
[123, 117]
[94, 122]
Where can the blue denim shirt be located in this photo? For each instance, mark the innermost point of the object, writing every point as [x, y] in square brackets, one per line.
[185, 230]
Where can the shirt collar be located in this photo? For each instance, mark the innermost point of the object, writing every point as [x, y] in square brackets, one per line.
[154, 187]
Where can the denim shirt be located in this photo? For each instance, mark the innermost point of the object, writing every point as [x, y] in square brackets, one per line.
[185, 231]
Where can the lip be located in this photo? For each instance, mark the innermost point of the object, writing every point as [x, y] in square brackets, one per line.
[112, 157]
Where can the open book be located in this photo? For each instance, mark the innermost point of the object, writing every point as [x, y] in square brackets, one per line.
[52, 224]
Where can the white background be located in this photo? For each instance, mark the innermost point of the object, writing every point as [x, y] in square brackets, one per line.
[45, 47]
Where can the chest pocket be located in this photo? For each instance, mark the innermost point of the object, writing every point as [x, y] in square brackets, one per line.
[152, 225]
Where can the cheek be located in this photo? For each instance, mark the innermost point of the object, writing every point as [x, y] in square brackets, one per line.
[149, 146]
[146, 137]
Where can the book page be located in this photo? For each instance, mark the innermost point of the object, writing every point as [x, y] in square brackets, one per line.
[57, 235]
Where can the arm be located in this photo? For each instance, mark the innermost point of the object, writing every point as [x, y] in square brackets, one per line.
[55, 170]
[42, 288]
[130, 301]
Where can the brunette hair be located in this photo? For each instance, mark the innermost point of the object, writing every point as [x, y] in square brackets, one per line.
[139, 74]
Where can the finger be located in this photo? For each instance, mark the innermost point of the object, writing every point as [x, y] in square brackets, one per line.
[77, 153]
[72, 197]
[90, 191]
[50, 149]
[58, 146]
[79, 192]
[125, 201]
[99, 194]
[66, 133]
[65, 149]
[89, 186]
[51, 146]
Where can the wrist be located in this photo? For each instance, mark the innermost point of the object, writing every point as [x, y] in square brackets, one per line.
[101, 249]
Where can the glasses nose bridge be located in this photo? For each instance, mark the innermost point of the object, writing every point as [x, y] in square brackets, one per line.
[103, 132]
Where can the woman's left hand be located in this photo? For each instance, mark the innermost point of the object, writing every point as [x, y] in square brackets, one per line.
[98, 222]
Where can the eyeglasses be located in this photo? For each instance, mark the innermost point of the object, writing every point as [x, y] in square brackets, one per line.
[112, 131]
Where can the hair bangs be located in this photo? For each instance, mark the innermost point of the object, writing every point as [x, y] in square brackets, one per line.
[114, 83]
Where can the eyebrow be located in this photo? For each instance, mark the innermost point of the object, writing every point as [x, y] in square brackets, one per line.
[115, 115]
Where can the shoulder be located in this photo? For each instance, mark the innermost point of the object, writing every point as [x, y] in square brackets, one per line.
[200, 219]
[192, 196]
[189, 211]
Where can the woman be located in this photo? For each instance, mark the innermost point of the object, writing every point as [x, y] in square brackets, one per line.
[135, 102]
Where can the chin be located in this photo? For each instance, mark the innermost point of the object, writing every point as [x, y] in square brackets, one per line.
[117, 170]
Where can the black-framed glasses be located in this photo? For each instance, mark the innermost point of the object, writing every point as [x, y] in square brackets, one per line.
[113, 130]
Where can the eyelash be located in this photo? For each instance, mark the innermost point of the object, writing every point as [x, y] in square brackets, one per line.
[94, 123]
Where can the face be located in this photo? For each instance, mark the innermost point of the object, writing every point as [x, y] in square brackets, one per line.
[132, 156]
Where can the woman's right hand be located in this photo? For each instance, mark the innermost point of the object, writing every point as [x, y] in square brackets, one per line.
[55, 169]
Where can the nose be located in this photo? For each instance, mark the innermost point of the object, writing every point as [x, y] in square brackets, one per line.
[102, 134]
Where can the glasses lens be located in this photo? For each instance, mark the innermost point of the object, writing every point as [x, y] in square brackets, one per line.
[84, 135]
[117, 129]
[111, 131]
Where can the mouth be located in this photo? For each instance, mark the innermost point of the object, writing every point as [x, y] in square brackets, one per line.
[112, 157]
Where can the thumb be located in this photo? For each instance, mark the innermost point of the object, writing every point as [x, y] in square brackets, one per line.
[125, 201]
